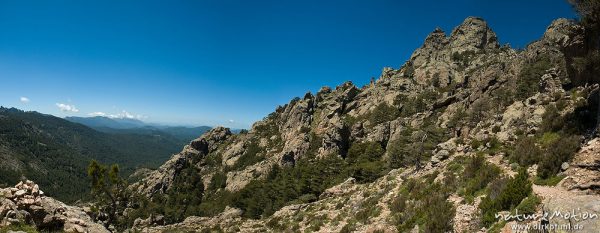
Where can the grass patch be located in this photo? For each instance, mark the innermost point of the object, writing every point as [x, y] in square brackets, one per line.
[528, 205]
[19, 227]
[551, 181]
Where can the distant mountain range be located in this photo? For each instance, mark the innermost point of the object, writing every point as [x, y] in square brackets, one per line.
[52, 150]
[106, 122]
[134, 126]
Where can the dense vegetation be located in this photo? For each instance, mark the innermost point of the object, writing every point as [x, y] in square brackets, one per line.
[504, 195]
[558, 140]
[531, 73]
[424, 202]
[50, 150]
[283, 186]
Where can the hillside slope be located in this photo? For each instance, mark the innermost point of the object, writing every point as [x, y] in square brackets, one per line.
[455, 135]
[50, 150]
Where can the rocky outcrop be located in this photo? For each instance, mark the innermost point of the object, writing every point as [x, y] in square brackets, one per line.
[569, 209]
[566, 34]
[26, 203]
[473, 35]
[442, 58]
[160, 180]
[583, 174]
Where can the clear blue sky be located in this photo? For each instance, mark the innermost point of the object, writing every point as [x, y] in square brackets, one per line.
[221, 62]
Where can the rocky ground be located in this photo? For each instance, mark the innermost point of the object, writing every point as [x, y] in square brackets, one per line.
[25, 203]
[338, 205]
[574, 194]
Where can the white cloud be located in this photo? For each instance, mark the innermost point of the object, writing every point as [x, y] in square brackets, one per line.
[24, 100]
[231, 121]
[94, 114]
[67, 107]
[123, 115]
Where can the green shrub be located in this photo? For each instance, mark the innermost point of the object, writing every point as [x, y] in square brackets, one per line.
[415, 104]
[552, 121]
[511, 195]
[286, 185]
[398, 204]
[551, 181]
[365, 161]
[478, 110]
[439, 214]
[528, 205]
[530, 75]
[184, 196]
[19, 227]
[366, 151]
[218, 181]
[549, 138]
[423, 202]
[496, 129]
[557, 153]
[383, 113]
[478, 174]
[251, 156]
[526, 152]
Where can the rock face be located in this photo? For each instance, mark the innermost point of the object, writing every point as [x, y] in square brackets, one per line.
[584, 172]
[26, 203]
[462, 84]
[473, 35]
[160, 180]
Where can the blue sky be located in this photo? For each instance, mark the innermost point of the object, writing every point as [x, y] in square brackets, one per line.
[221, 62]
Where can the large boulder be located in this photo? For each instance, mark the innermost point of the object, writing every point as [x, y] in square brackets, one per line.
[27, 203]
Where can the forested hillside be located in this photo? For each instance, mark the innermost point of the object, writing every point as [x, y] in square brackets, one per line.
[52, 150]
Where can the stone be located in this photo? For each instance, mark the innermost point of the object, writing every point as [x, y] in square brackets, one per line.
[35, 190]
[20, 193]
[435, 160]
[6, 205]
[443, 154]
[27, 200]
[564, 166]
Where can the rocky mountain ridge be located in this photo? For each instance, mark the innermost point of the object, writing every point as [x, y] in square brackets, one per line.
[457, 134]
[465, 88]
[327, 113]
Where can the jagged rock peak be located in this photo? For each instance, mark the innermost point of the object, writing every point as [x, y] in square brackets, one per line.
[473, 34]
[208, 141]
[344, 86]
[564, 32]
[436, 39]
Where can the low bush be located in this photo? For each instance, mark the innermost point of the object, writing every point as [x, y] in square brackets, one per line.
[251, 156]
[510, 196]
[530, 75]
[423, 202]
[478, 174]
[550, 181]
[383, 113]
[556, 154]
[528, 205]
[526, 152]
